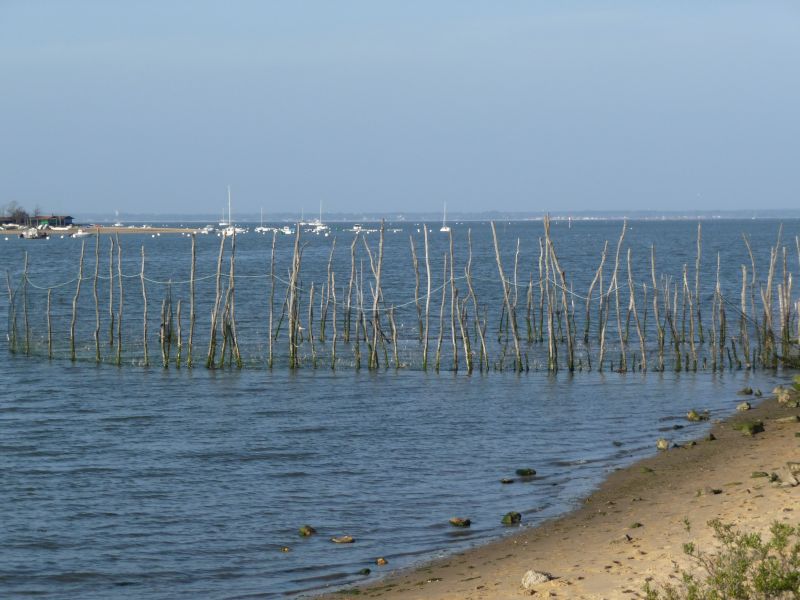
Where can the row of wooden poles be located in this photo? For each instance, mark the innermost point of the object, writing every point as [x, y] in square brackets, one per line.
[741, 334]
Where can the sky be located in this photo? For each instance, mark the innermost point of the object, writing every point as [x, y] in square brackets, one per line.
[158, 106]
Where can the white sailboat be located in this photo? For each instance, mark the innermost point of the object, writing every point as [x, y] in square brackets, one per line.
[231, 228]
[261, 228]
[445, 228]
[223, 222]
[316, 226]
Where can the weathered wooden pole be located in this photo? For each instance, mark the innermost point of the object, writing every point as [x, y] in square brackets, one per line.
[49, 326]
[234, 336]
[190, 341]
[110, 291]
[349, 298]
[623, 366]
[393, 326]
[144, 312]
[688, 293]
[179, 354]
[441, 314]
[426, 337]
[507, 299]
[311, 325]
[743, 325]
[12, 311]
[120, 301]
[484, 358]
[597, 275]
[212, 342]
[697, 293]
[271, 297]
[25, 304]
[294, 303]
[375, 300]
[326, 294]
[656, 317]
[75, 298]
[96, 297]
[642, 346]
[162, 334]
[333, 322]
[416, 285]
[453, 304]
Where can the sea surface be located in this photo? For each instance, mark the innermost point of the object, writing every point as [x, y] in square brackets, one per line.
[142, 482]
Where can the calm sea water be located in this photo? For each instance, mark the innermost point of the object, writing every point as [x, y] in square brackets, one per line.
[141, 482]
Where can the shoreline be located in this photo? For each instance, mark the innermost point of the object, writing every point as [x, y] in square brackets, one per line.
[631, 529]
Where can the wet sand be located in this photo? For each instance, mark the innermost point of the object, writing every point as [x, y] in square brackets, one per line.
[632, 529]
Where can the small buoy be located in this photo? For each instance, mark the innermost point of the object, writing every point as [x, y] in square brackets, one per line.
[153, 235]
[285, 549]
[380, 561]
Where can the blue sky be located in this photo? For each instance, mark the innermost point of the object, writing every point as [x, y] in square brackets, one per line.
[158, 106]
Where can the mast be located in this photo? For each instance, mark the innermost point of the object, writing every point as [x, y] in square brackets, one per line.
[230, 220]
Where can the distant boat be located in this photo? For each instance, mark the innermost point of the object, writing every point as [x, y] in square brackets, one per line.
[81, 233]
[223, 222]
[230, 228]
[34, 233]
[118, 223]
[317, 226]
[445, 228]
[261, 228]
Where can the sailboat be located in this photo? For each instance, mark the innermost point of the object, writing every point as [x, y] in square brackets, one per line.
[223, 222]
[317, 226]
[445, 228]
[118, 223]
[261, 228]
[230, 229]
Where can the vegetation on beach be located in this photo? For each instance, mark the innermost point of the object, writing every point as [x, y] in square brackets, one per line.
[745, 567]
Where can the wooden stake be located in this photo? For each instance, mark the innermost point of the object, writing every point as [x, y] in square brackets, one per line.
[120, 300]
[271, 296]
[427, 301]
[111, 291]
[212, 343]
[190, 342]
[416, 285]
[96, 297]
[49, 326]
[73, 355]
[144, 310]
[506, 298]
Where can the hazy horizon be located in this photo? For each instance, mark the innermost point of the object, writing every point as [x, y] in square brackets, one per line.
[155, 107]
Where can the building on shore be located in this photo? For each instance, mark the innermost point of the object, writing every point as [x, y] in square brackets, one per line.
[38, 220]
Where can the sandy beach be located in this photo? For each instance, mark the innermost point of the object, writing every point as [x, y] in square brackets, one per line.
[632, 529]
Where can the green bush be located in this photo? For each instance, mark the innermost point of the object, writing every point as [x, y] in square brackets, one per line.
[746, 567]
